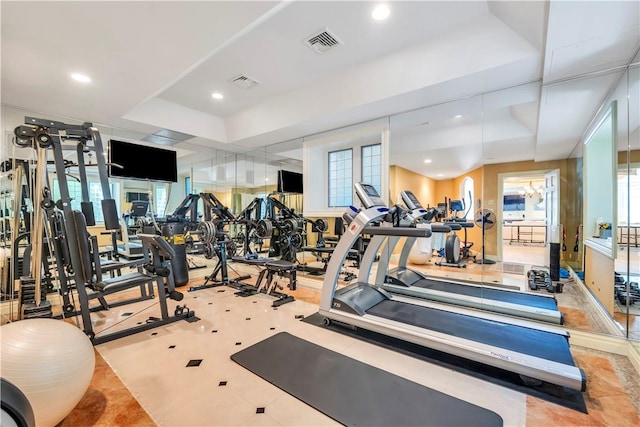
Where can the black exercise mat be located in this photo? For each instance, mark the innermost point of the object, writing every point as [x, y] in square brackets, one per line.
[354, 393]
[563, 396]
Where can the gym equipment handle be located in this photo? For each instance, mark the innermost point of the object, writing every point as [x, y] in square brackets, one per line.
[397, 231]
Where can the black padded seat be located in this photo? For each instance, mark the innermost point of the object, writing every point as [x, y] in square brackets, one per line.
[111, 266]
[108, 264]
[279, 265]
[281, 268]
[326, 250]
[125, 281]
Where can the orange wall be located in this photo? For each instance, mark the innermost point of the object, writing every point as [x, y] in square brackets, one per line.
[424, 188]
[403, 179]
[430, 192]
[570, 196]
[444, 189]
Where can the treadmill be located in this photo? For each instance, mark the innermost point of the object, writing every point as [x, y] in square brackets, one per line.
[403, 280]
[541, 354]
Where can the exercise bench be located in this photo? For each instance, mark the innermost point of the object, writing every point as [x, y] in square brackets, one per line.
[90, 285]
[267, 279]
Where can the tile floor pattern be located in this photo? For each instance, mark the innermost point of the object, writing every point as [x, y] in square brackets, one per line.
[164, 390]
[155, 368]
[144, 379]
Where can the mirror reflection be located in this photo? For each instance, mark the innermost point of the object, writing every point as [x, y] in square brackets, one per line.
[387, 177]
[505, 211]
[514, 200]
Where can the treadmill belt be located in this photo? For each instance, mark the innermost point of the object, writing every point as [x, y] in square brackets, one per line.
[521, 298]
[558, 395]
[352, 392]
[523, 340]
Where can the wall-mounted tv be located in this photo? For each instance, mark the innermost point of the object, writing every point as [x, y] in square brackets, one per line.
[289, 182]
[138, 161]
[513, 202]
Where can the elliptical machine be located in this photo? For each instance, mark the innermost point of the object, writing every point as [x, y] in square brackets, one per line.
[456, 252]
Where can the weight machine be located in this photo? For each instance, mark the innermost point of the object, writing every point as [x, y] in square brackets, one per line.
[217, 241]
[280, 224]
[77, 261]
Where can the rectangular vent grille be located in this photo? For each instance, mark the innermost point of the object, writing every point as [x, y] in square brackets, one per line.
[244, 82]
[322, 41]
[167, 137]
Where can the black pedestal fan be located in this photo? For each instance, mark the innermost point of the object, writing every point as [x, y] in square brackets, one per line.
[486, 219]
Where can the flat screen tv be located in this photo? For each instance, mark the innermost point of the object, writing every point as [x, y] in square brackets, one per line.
[138, 161]
[289, 182]
[513, 202]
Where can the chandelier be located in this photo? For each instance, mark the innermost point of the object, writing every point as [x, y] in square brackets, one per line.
[530, 191]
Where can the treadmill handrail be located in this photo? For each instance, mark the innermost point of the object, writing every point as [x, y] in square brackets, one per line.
[439, 228]
[398, 231]
[360, 221]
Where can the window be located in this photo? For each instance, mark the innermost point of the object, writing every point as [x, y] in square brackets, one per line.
[161, 200]
[75, 192]
[371, 170]
[340, 178]
[628, 184]
[95, 196]
[187, 185]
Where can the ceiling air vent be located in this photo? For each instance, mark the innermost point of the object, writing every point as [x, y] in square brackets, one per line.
[167, 137]
[322, 41]
[244, 82]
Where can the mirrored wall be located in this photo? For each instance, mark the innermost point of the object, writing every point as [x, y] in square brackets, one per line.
[515, 209]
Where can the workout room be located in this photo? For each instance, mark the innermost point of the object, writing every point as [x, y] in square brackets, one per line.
[320, 213]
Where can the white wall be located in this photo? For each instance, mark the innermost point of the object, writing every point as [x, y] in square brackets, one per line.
[316, 175]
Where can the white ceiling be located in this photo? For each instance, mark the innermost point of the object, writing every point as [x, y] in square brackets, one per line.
[154, 66]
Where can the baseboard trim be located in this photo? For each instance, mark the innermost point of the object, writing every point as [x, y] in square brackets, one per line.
[634, 355]
[607, 343]
[612, 327]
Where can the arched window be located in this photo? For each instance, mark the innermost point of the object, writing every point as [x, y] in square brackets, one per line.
[466, 194]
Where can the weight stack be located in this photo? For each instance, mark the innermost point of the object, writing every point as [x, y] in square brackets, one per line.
[554, 261]
[30, 310]
[173, 232]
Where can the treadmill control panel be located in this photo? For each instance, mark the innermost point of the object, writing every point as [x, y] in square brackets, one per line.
[368, 195]
[410, 200]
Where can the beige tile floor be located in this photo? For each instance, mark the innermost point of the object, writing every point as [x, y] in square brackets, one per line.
[173, 394]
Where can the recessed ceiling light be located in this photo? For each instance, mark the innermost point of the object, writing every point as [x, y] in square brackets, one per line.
[266, 179]
[458, 116]
[217, 95]
[440, 174]
[381, 12]
[427, 160]
[81, 78]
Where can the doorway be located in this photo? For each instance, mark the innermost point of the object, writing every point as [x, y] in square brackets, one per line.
[528, 214]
